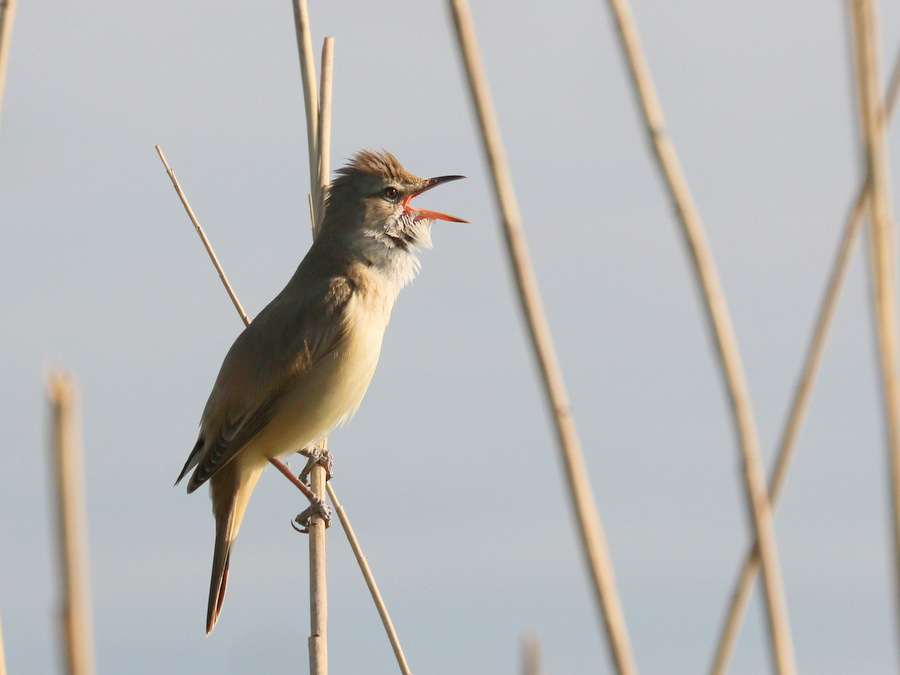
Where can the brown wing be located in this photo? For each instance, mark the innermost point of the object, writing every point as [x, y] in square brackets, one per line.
[265, 361]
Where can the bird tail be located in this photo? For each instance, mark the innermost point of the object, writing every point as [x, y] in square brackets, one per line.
[230, 491]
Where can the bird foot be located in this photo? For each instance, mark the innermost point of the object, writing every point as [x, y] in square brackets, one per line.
[317, 455]
[317, 507]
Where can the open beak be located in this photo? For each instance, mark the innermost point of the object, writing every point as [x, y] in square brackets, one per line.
[425, 213]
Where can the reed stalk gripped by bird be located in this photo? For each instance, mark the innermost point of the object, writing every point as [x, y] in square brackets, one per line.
[301, 368]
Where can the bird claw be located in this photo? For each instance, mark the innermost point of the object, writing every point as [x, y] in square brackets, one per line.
[317, 455]
[317, 507]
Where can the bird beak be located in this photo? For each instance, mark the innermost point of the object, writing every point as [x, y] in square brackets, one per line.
[425, 213]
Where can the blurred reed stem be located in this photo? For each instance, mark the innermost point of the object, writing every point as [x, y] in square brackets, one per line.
[720, 326]
[68, 470]
[7, 16]
[592, 538]
[873, 124]
[747, 577]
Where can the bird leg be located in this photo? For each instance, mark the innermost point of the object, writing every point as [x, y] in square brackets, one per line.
[317, 505]
[317, 454]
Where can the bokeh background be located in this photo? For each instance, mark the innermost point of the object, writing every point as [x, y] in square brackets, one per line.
[449, 471]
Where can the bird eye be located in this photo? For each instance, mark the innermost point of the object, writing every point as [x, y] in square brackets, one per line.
[390, 193]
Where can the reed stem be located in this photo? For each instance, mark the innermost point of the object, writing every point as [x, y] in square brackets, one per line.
[750, 569]
[720, 326]
[75, 609]
[592, 538]
[873, 125]
[7, 15]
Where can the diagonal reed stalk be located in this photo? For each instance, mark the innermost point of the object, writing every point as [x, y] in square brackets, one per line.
[873, 125]
[741, 594]
[723, 333]
[590, 528]
[75, 610]
[370, 582]
[7, 15]
[206, 244]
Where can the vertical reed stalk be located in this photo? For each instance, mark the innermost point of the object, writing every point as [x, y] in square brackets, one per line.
[318, 593]
[310, 97]
[741, 594]
[323, 148]
[75, 611]
[881, 239]
[7, 15]
[2, 656]
[592, 537]
[723, 334]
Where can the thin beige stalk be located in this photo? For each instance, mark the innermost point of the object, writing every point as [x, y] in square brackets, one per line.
[310, 97]
[318, 587]
[317, 475]
[592, 537]
[370, 581]
[741, 595]
[881, 238]
[206, 244]
[324, 138]
[723, 333]
[2, 655]
[75, 609]
[7, 15]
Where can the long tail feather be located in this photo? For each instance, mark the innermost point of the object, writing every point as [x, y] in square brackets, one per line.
[219, 578]
[230, 489]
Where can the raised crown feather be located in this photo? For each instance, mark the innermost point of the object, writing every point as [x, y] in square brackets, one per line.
[377, 164]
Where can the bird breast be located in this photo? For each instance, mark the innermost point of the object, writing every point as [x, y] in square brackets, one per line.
[330, 392]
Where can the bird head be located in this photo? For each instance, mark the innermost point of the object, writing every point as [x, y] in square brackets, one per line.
[372, 195]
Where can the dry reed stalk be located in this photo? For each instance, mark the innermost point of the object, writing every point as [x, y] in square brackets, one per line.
[318, 588]
[881, 238]
[370, 582]
[206, 244]
[2, 656]
[310, 97]
[7, 15]
[741, 594]
[592, 537]
[723, 333]
[317, 475]
[75, 610]
[323, 147]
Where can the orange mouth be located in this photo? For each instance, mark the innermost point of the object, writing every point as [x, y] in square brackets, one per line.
[418, 214]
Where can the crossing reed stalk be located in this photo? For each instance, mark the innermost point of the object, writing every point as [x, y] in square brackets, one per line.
[741, 594]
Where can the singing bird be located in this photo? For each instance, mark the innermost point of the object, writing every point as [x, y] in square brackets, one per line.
[302, 366]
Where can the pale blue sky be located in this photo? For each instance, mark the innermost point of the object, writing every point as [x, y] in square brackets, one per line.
[448, 472]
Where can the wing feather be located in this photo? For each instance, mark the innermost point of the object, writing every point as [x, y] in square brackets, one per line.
[266, 359]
